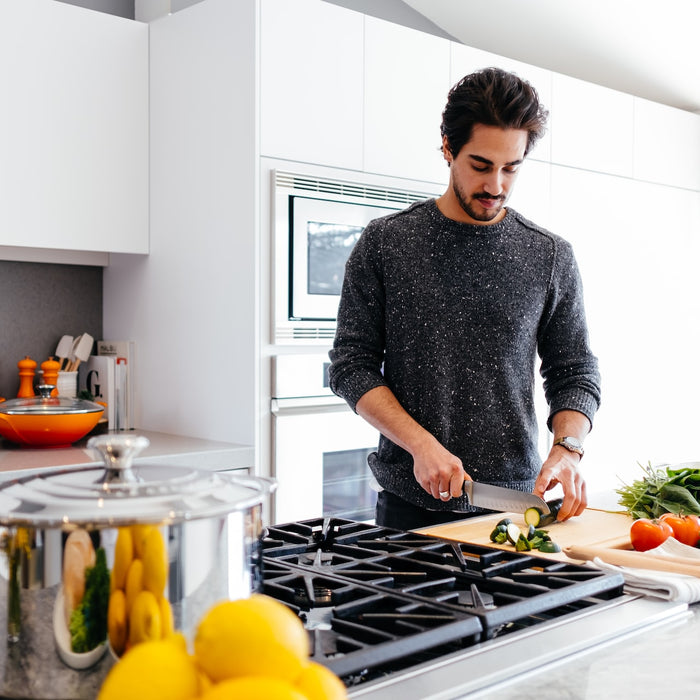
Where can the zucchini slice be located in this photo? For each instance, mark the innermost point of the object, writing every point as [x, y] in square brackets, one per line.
[533, 516]
[549, 547]
[513, 533]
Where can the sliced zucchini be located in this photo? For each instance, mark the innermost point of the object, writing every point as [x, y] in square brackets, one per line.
[523, 544]
[531, 531]
[501, 538]
[533, 516]
[549, 547]
[513, 532]
[499, 529]
[554, 507]
[504, 521]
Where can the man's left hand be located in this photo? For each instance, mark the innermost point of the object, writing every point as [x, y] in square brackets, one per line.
[561, 467]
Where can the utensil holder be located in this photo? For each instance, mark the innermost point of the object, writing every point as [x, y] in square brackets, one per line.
[67, 384]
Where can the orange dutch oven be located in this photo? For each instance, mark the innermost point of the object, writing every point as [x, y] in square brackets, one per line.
[48, 421]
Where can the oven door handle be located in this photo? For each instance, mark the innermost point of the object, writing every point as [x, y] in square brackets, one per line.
[307, 404]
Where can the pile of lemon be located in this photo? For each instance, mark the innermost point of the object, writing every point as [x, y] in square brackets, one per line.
[138, 609]
[249, 649]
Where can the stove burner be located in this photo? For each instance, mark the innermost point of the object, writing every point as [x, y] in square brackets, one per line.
[375, 600]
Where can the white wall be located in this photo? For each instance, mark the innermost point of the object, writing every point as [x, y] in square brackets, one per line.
[190, 305]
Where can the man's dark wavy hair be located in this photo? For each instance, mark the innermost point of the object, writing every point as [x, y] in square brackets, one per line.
[492, 97]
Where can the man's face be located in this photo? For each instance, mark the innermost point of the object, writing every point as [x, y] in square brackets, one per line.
[483, 173]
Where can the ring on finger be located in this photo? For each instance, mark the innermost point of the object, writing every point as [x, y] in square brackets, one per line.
[444, 494]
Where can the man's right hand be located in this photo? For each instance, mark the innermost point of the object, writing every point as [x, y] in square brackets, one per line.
[438, 471]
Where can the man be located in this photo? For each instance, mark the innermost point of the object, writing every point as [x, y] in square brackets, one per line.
[444, 309]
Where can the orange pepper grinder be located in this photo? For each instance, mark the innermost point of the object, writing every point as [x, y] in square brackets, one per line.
[51, 368]
[27, 366]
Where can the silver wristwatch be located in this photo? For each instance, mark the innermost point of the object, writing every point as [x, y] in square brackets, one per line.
[570, 443]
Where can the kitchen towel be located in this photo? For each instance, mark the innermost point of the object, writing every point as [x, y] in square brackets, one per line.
[659, 584]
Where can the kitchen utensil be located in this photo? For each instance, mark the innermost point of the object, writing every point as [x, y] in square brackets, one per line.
[47, 421]
[502, 499]
[208, 527]
[27, 368]
[633, 559]
[82, 347]
[63, 349]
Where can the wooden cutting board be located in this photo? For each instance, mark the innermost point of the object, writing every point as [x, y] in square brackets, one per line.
[592, 527]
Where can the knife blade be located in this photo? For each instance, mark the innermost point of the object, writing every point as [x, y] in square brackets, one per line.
[502, 499]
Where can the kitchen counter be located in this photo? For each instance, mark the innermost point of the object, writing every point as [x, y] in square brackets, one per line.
[649, 664]
[168, 449]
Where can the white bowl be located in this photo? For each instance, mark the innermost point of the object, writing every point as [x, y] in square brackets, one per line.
[62, 637]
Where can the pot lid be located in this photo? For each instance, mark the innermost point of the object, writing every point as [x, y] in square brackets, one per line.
[45, 404]
[122, 493]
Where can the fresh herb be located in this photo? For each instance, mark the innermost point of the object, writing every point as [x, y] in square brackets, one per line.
[662, 491]
[88, 622]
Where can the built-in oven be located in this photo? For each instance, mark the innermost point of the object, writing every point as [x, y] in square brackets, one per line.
[316, 223]
[320, 445]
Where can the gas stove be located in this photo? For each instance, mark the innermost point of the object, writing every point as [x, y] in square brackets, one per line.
[389, 611]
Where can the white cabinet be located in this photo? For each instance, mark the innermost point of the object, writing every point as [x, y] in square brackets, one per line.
[591, 126]
[667, 145]
[73, 129]
[311, 95]
[407, 77]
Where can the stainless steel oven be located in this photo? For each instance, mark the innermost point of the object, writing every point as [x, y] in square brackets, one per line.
[316, 223]
[320, 446]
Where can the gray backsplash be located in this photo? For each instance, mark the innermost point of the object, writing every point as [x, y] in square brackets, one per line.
[40, 303]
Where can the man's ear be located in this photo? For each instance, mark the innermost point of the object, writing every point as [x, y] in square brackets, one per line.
[446, 154]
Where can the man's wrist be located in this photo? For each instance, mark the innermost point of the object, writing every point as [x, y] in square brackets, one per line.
[569, 443]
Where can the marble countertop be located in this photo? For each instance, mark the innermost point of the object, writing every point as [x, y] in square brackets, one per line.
[168, 449]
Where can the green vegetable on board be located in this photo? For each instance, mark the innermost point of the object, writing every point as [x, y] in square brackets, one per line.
[662, 490]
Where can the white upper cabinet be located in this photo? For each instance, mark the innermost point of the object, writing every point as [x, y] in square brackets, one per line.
[311, 58]
[591, 127]
[73, 129]
[667, 145]
[407, 77]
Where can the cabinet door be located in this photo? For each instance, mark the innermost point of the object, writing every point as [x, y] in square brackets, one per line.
[667, 145]
[73, 129]
[311, 82]
[407, 77]
[591, 126]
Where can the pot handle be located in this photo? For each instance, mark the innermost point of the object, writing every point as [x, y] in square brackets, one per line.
[118, 452]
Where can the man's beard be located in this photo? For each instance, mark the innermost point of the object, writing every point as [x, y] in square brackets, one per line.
[470, 206]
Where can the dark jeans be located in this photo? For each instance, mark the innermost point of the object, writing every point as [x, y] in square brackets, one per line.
[396, 513]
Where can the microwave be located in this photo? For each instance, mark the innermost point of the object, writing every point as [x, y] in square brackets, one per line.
[317, 222]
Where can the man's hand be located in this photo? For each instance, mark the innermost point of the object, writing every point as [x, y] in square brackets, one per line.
[438, 471]
[561, 467]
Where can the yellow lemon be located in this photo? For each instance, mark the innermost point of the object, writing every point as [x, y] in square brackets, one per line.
[144, 619]
[123, 556]
[251, 637]
[155, 562]
[139, 534]
[166, 617]
[159, 670]
[134, 583]
[319, 683]
[116, 621]
[254, 688]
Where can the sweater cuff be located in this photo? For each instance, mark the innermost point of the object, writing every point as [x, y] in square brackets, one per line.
[355, 385]
[574, 400]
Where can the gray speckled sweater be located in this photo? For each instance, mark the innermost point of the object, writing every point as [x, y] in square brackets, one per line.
[450, 317]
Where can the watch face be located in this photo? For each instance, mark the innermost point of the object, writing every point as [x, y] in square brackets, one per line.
[573, 442]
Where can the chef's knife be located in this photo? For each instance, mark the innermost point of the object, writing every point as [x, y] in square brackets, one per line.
[502, 499]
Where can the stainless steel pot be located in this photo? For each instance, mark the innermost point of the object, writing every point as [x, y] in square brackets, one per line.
[121, 552]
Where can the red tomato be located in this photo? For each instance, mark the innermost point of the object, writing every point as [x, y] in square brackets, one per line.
[686, 528]
[647, 534]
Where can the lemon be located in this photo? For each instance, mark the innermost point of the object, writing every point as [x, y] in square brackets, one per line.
[251, 637]
[254, 688]
[159, 670]
[134, 583]
[144, 619]
[155, 562]
[166, 617]
[123, 556]
[116, 621]
[139, 534]
[319, 683]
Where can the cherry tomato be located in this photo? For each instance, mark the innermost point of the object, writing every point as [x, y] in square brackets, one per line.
[686, 528]
[647, 534]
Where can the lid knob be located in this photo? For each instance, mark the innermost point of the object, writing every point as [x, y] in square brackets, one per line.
[118, 452]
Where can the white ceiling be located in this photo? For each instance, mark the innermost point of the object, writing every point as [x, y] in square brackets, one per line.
[649, 48]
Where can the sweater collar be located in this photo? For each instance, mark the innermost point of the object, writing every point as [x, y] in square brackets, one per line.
[474, 229]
